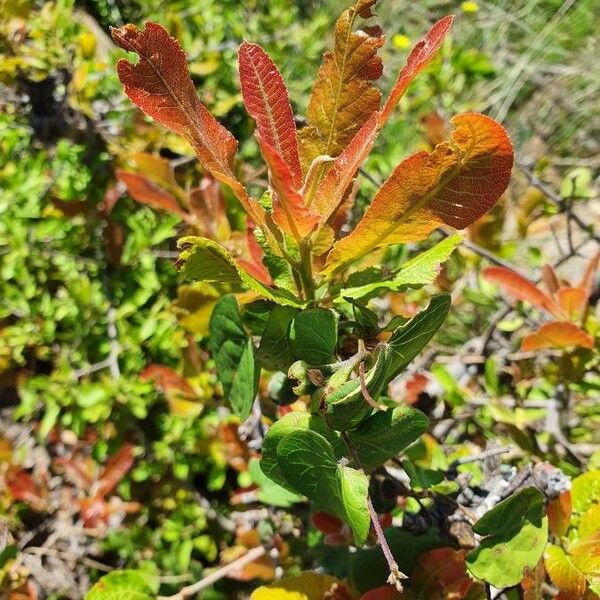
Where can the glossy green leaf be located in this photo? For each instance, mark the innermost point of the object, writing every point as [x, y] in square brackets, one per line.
[308, 462]
[313, 335]
[291, 422]
[125, 585]
[516, 533]
[233, 353]
[269, 492]
[274, 351]
[414, 273]
[385, 434]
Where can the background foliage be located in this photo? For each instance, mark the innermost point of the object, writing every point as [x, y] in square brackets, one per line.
[116, 449]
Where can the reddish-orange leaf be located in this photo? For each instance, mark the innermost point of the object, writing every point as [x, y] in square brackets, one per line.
[160, 84]
[455, 185]
[326, 195]
[572, 301]
[550, 279]
[520, 287]
[208, 207]
[559, 511]
[588, 277]
[385, 592]
[266, 99]
[254, 264]
[115, 469]
[21, 486]
[289, 211]
[343, 96]
[144, 191]
[418, 59]
[559, 335]
[167, 380]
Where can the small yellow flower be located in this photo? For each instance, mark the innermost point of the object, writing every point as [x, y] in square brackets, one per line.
[470, 7]
[401, 41]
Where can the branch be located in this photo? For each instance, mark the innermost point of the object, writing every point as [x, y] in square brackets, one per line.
[240, 563]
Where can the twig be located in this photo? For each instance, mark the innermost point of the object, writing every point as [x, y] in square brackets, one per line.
[483, 455]
[115, 371]
[396, 575]
[240, 563]
[365, 392]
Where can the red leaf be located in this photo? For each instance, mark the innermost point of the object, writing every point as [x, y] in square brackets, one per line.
[572, 301]
[417, 60]
[266, 100]
[289, 211]
[588, 277]
[559, 335]
[385, 592]
[208, 206]
[160, 84]
[142, 190]
[255, 266]
[550, 279]
[326, 522]
[520, 288]
[115, 469]
[23, 488]
[559, 513]
[167, 380]
[331, 189]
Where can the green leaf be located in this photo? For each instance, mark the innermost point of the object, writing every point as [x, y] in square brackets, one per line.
[308, 462]
[517, 532]
[233, 353]
[385, 434]
[420, 477]
[202, 259]
[291, 422]
[409, 339]
[313, 335]
[270, 492]
[416, 272]
[125, 585]
[585, 491]
[274, 351]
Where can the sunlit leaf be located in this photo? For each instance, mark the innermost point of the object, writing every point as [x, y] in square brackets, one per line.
[160, 84]
[343, 97]
[455, 185]
[519, 287]
[157, 169]
[559, 512]
[115, 470]
[585, 491]
[266, 99]
[516, 533]
[306, 586]
[144, 191]
[562, 572]
[202, 259]
[572, 301]
[417, 60]
[558, 334]
[125, 585]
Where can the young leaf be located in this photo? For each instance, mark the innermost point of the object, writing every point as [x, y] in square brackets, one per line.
[326, 194]
[516, 533]
[519, 287]
[455, 185]
[115, 469]
[233, 353]
[266, 99]
[416, 272]
[289, 211]
[417, 60]
[558, 334]
[306, 586]
[385, 434]
[202, 259]
[308, 462]
[313, 335]
[343, 97]
[585, 491]
[144, 191]
[572, 301]
[160, 84]
[562, 571]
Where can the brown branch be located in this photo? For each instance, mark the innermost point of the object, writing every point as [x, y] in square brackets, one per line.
[240, 563]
